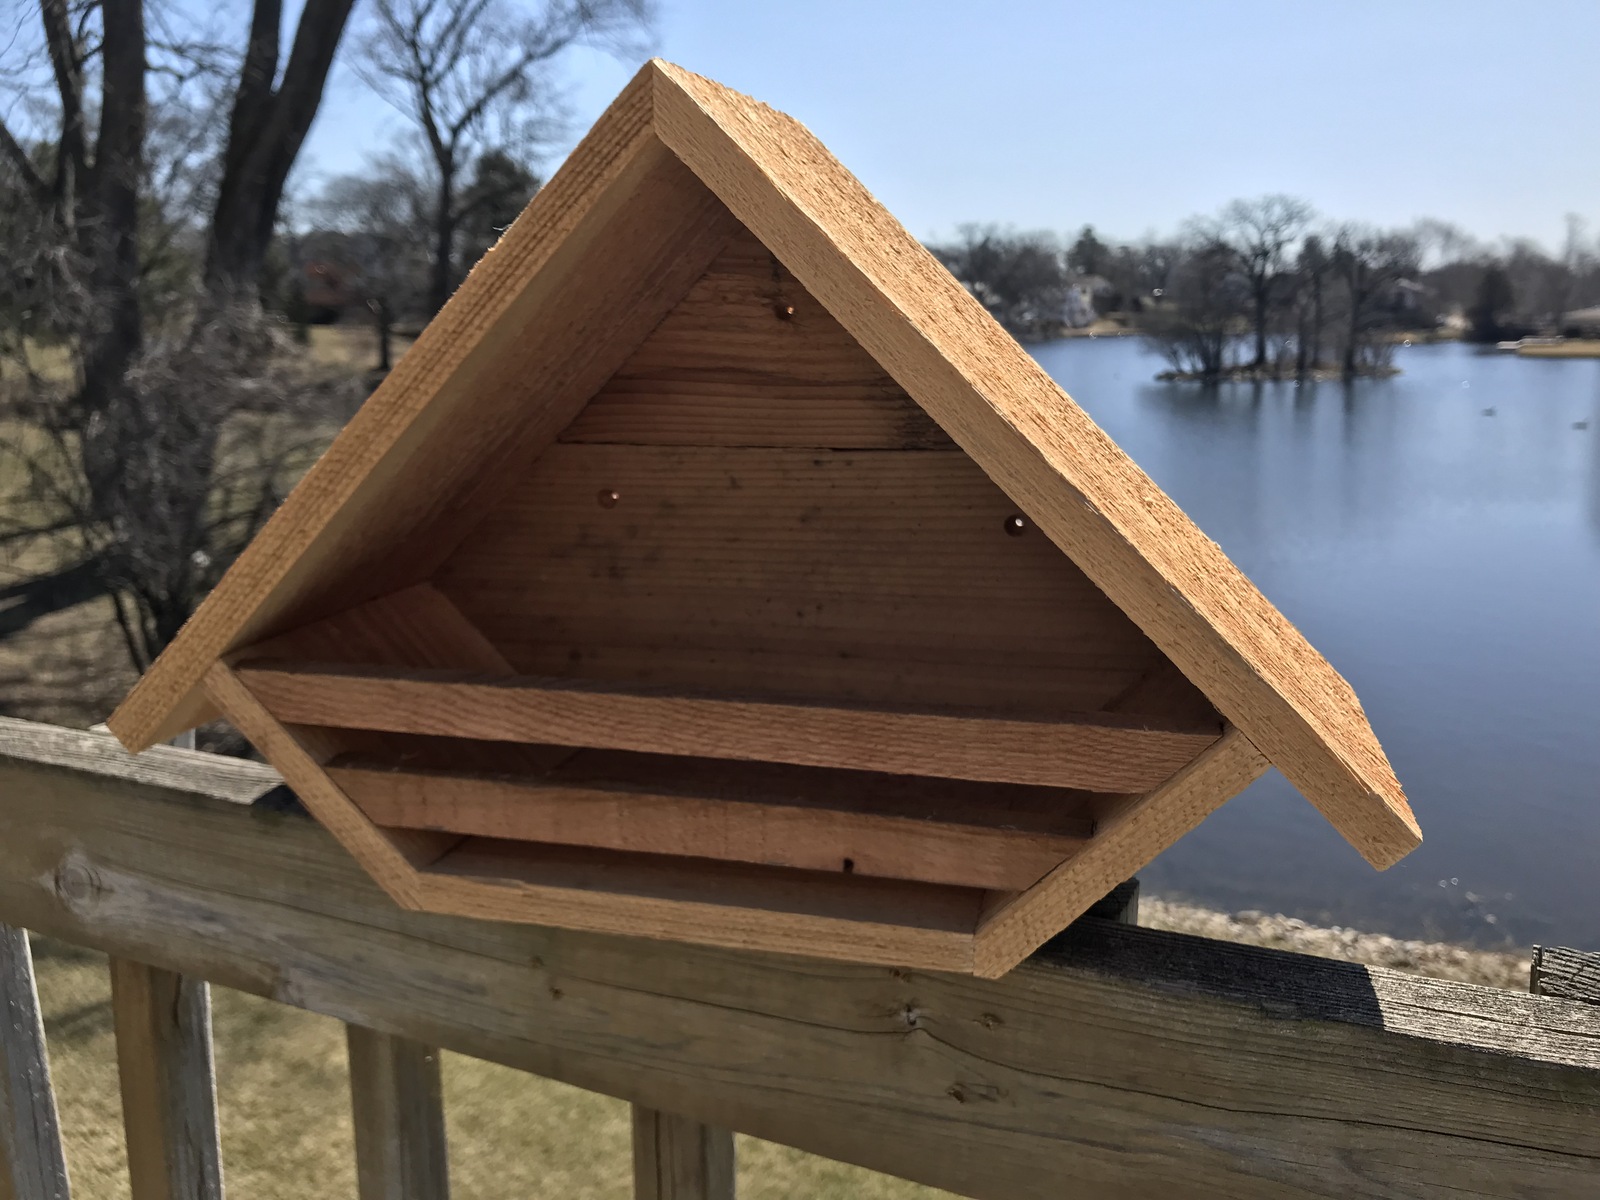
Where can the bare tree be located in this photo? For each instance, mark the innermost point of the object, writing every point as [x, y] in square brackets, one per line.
[1198, 323]
[1369, 263]
[159, 496]
[381, 218]
[1262, 233]
[156, 461]
[1310, 310]
[473, 75]
[271, 115]
[1019, 277]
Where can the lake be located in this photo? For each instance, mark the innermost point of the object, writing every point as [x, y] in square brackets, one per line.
[1437, 536]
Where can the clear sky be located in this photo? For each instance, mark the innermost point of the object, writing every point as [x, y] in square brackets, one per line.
[1134, 114]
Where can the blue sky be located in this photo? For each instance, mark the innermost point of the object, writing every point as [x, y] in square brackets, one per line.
[1133, 115]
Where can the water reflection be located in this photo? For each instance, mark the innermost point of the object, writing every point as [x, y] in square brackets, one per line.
[1448, 562]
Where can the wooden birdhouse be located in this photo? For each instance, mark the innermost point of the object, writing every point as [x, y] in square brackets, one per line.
[715, 568]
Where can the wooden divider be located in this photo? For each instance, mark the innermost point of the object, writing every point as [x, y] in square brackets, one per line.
[31, 1163]
[169, 1091]
[1095, 751]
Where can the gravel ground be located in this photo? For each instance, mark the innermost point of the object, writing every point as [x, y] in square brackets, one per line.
[1493, 968]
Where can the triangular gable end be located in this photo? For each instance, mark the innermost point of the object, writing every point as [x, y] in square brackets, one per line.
[678, 426]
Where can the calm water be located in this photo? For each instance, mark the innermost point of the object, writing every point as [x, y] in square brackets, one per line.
[1446, 559]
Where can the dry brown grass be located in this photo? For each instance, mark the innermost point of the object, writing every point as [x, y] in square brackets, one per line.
[283, 1098]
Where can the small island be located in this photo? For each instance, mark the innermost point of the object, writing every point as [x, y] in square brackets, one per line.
[1265, 290]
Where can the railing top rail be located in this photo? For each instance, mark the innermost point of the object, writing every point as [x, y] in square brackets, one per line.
[1122, 1060]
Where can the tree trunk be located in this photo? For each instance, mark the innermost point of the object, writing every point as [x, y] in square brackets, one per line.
[1261, 326]
[117, 335]
[265, 132]
[441, 281]
[1316, 321]
[384, 321]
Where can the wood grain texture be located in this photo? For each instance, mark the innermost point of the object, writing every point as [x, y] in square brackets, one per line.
[894, 827]
[32, 1166]
[603, 251]
[1096, 752]
[749, 358]
[823, 575]
[1565, 973]
[1042, 450]
[1121, 1062]
[675, 1158]
[169, 1088]
[735, 905]
[1124, 842]
[397, 1106]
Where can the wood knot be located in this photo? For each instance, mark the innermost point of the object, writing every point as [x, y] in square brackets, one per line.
[77, 884]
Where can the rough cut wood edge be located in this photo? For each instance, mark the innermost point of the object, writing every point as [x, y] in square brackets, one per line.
[1566, 973]
[1094, 752]
[31, 1163]
[169, 1089]
[604, 250]
[994, 853]
[397, 1106]
[731, 905]
[1123, 844]
[1001, 407]
[675, 1158]
[1280, 1077]
[391, 858]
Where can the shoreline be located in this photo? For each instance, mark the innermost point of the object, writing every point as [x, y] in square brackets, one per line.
[1438, 960]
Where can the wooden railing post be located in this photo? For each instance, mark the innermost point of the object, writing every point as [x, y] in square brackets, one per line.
[31, 1163]
[397, 1102]
[675, 1158]
[169, 1091]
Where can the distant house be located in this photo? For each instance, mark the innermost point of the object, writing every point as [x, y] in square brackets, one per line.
[1581, 322]
[1081, 301]
[329, 288]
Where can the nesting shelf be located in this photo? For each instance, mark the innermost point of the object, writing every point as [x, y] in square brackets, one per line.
[714, 568]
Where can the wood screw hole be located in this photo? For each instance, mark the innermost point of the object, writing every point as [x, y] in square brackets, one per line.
[1015, 525]
[849, 866]
[785, 311]
[608, 498]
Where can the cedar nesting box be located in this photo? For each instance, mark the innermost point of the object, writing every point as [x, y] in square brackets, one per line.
[715, 568]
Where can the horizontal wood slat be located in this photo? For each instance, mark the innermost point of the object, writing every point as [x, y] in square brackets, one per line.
[1121, 1062]
[895, 922]
[938, 831]
[1096, 752]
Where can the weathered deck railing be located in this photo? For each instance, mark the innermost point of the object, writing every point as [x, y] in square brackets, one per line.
[1119, 1062]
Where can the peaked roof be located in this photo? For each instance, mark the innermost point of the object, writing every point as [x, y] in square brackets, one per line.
[377, 513]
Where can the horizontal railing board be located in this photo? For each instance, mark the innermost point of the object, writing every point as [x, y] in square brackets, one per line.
[1096, 751]
[1121, 1062]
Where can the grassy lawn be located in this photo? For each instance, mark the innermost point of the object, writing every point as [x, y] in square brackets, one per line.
[283, 1099]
